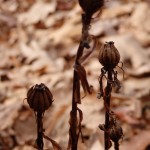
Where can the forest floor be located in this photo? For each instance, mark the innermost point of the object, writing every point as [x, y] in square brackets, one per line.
[38, 44]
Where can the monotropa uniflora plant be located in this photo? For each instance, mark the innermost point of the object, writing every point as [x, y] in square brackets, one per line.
[109, 58]
[89, 7]
[40, 98]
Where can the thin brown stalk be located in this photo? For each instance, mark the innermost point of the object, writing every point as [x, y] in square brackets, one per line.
[39, 140]
[73, 114]
[79, 76]
[116, 145]
[107, 96]
[74, 134]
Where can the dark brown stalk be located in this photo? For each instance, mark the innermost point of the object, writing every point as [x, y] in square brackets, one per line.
[39, 140]
[107, 96]
[79, 76]
[73, 115]
[73, 123]
[116, 145]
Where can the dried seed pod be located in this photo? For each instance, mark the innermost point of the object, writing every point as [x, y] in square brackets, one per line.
[39, 97]
[109, 56]
[91, 6]
[116, 133]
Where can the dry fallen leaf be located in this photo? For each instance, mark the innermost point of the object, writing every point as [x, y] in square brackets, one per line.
[8, 113]
[140, 19]
[117, 11]
[38, 43]
[138, 142]
[38, 12]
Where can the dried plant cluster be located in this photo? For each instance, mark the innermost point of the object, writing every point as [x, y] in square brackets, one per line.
[109, 58]
[79, 77]
[40, 98]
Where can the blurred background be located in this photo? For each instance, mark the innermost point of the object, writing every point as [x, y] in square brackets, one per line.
[38, 44]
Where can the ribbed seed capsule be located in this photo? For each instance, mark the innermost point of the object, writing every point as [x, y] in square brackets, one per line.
[39, 97]
[91, 6]
[109, 56]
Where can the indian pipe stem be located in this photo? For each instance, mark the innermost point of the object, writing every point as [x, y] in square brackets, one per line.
[73, 128]
[116, 145]
[40, 143]
[107, 96]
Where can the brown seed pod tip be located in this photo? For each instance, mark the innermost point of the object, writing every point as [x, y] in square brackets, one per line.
[109, 56]
[39, 97]
[110, 42]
